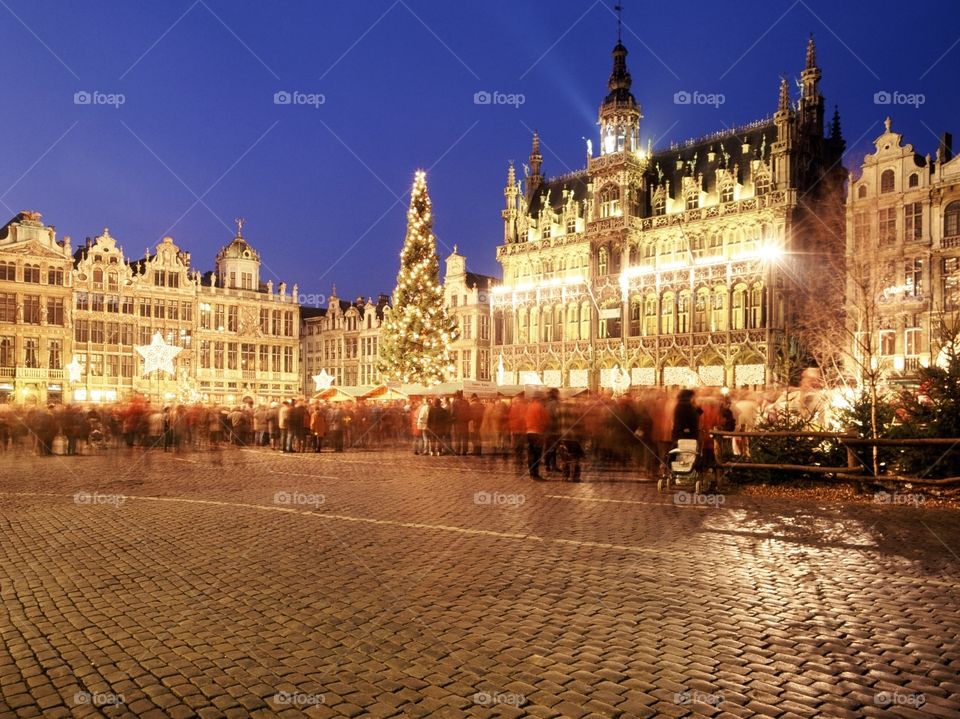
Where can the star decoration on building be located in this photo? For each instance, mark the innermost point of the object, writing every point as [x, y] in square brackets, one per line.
[158, 355]
[322, 381]
[74, 370]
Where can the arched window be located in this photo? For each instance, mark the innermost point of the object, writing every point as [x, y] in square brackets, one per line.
[649, 252]
[683, 312]
[547, 229]
[650, 315]
[761, 185]
[697, 246]
[726, 193]
[610, 201]
[700, 310]
[718, 314]
[585, 321]
[887, 181]
[951, 219]
[573, 322]
[739, 315]
[571, 225]
[660, 204]
[534, 317]
[523, 328]
[8, 271]
[755, 307]
[693, 200]
[861, 192]
[914, 180]
[602, 261]
[636, 307]
[667, 314]
[716, 243]
[558, 323]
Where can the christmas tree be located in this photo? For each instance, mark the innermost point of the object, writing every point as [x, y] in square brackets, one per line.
[416, 335]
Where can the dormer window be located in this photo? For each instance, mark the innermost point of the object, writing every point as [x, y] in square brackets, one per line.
[726, 193]
[914, 180]
[887, 181]
[693, 200]
[545, 233]
[660, 205]
[762, 185]
[571, 225]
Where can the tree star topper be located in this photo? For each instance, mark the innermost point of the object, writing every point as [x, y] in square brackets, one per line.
[158, 355]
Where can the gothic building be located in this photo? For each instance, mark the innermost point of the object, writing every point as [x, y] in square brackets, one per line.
[668, 267]
[903, 253]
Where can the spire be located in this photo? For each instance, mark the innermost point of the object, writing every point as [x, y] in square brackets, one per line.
[811, 54]
[618, 8]
[620, 80]
[511, 175]
[835, 124]
[784, 103]
[536, 159]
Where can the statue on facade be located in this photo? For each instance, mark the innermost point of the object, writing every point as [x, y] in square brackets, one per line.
[269, 287]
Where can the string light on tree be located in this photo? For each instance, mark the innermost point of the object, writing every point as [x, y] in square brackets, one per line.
[158, 355]
[416, 335]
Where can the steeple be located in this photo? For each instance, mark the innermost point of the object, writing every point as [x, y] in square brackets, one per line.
[835, 124]
[536, 165]
[511, 195]
[783, 105]
[811, 101]
[619, 114]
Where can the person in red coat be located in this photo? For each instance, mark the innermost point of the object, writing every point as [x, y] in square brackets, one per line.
[537, 424]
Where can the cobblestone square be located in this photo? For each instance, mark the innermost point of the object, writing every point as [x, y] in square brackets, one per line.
[383, 584]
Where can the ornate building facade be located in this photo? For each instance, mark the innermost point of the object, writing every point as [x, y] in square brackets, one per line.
[667, 267]
[35, 304]
[238, 339]
[903, 247]
[343, 338]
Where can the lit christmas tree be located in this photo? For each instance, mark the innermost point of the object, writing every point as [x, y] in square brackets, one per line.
[415, 338]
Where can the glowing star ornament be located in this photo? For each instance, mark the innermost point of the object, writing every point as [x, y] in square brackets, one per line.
[322, 381]
[158, 355]
[74, 370]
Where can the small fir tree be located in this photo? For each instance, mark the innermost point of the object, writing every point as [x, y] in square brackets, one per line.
[416, 336]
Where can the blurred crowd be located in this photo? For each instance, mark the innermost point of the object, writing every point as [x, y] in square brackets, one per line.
[548, 430]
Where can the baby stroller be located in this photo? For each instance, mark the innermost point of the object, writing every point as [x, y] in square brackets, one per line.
[684, 468]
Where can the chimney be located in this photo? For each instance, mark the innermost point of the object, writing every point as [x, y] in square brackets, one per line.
[946, 147]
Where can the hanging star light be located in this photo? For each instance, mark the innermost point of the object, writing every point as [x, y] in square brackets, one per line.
[74, 370]
[158, 355]
[322, 381]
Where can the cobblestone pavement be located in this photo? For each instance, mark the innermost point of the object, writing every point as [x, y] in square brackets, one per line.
[380, 584]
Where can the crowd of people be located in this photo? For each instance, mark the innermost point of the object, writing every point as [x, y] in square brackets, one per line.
[548, 432]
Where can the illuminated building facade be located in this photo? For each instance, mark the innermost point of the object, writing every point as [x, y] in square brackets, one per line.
[666, 267]
[75, 319]
[35, 302]
[343, 338]
[903, 243]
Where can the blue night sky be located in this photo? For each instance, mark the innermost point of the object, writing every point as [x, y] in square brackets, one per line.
[199, 139]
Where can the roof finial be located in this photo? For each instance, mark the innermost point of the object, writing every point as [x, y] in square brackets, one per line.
[886, 123]
[239, 222]
[784, 104]
[811, 53]
[618, 8]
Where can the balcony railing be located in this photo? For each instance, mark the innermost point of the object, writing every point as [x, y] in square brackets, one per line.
[31, 372]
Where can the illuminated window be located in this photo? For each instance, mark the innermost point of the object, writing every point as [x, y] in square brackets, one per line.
[913, 277]
[683, 312]
[667, 314]
[660, 205]
[726, 193]
[762, 185]
[913, 221]
[887, 226]
[951, 219]
[610, 201]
